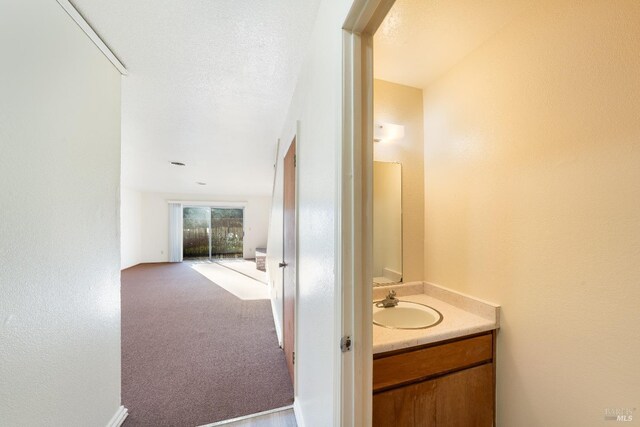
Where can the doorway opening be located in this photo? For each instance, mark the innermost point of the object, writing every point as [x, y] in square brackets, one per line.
[199, 344]
[212, 232]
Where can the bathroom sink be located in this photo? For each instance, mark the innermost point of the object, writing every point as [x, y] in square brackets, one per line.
[406, 315]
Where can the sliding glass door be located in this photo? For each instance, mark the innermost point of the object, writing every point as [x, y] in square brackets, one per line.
[196, 223]
[212, 232]
[227, 232]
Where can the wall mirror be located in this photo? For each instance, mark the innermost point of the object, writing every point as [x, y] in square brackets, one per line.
[387, 223]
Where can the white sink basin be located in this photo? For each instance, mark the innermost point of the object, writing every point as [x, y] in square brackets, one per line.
[406, 315]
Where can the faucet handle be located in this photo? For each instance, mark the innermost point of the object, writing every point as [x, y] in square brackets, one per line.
[389, 301]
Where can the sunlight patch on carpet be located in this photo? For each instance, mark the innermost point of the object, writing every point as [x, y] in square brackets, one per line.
[240, 286]
[245, 267]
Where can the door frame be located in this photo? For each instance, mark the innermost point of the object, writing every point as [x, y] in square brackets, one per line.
[294, 140]
[294, 136]
[355, 208]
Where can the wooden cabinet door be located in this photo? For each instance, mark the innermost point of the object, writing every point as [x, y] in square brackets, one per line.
[466, 398]
[461, 399]
[412, 405]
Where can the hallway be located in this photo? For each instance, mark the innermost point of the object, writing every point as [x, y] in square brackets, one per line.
[193, 353]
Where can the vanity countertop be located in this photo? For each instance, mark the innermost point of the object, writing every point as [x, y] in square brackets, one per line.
[462, 315]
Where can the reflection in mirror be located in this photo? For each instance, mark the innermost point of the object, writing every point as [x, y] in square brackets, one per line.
[387, 223]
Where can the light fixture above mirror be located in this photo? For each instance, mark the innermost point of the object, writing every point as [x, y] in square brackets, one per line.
[387, 132]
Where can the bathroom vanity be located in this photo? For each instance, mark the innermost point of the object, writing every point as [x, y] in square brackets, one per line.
[443, 375]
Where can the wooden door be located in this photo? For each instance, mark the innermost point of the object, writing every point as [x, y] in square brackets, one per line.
[289, 257]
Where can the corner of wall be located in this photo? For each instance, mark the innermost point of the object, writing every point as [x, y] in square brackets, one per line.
[297, 411]
[119, 417]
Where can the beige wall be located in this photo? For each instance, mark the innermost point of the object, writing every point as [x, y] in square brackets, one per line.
[387, 218]
[402, 105]
[533, 201]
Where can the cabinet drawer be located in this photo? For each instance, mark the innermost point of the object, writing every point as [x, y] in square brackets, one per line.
[416, 365]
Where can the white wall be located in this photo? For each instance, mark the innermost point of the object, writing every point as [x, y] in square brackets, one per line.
[155, 222]
[130, 227]
[59, 222]
[532, 181]
[317, 104]
[275, 244]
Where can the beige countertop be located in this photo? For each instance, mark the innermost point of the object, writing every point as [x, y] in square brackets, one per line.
[462, 315]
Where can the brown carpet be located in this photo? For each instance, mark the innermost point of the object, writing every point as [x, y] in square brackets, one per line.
[192, 353]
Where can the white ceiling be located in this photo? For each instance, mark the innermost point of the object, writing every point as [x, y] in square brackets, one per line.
[209, 85]
[419, 40]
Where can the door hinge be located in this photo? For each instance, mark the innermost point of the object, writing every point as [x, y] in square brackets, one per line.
[345, 343]
[295, 160]
[294, 358]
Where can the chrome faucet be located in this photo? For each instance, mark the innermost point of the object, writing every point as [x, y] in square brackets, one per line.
[390, 300]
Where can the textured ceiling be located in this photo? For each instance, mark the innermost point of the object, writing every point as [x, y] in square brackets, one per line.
[419, 40]
[209, 85]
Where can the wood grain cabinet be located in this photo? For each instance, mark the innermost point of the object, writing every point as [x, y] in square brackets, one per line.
[450, 384]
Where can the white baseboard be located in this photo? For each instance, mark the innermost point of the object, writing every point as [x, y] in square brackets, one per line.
[297, 411]
[276, 321]
[119, 417]
[129, 266]
[246, 417]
